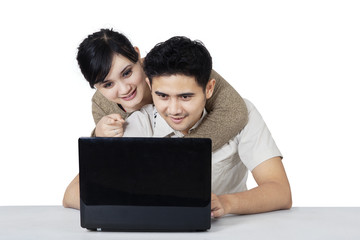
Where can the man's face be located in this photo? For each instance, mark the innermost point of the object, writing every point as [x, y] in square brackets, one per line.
[180, 100]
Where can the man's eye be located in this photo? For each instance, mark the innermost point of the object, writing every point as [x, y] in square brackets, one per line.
[162, 96]
[185, 97]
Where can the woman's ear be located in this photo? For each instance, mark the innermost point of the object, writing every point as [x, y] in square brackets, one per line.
[138, 51]
[210, 86]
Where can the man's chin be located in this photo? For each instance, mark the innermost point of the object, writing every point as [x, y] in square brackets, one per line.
[176, 127]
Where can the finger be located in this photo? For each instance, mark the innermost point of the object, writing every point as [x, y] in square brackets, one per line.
[217, 213]
[118, 124]
[115, 131]
[115, 123]
[119, 135]
[118, 132]
[214, 201]
[110, 121]
[115, 116]
[216, 206]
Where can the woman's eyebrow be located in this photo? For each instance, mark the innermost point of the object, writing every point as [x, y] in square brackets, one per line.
[105, 81]
[125, 68]
[122, 71]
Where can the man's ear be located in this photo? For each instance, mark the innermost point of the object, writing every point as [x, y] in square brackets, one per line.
[210, 86]
[148, 82]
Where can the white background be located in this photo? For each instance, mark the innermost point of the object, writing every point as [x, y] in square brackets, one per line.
[297, 61]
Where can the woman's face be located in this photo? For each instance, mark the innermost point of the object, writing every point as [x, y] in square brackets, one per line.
[125, 84]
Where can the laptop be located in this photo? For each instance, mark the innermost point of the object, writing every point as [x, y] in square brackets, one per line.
[145, 184]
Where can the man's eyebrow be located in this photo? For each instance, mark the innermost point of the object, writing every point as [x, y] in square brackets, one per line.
[186, 94]
[160, 93]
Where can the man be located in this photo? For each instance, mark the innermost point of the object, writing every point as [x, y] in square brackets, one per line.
[178, 73]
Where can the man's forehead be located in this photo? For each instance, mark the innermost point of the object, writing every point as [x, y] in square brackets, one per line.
[175, 84]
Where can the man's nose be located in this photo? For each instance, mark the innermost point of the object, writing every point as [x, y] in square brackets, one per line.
[174, 107]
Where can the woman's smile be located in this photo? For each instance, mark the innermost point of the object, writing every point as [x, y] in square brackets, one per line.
[130, 96]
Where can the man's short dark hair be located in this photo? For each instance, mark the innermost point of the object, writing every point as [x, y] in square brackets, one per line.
[95, 54]
[179, 55]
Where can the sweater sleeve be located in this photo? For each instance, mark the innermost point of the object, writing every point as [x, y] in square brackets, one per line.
[227, 116]
[102, 107]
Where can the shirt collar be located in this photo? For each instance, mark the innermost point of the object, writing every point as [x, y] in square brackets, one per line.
[162, 129]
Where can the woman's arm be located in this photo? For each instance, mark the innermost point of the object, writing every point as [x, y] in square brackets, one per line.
[72, 194]
[227, 116]
[101, 107]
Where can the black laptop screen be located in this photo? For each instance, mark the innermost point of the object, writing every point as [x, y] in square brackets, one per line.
[145, 171]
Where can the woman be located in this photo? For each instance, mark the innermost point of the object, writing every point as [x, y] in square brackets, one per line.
[113, 66]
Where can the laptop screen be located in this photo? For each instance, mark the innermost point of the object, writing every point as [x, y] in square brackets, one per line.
[145, 171]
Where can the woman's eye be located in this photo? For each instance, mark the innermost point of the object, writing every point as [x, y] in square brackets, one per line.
[127, 73]
[107, 85]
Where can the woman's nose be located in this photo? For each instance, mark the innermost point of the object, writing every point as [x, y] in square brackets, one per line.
[123, 89]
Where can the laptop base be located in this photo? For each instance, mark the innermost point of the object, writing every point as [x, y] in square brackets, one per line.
[144, 218]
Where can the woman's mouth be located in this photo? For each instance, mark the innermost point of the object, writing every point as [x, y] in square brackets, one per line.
[130, 96]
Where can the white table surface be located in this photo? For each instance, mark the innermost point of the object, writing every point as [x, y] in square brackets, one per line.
[56, 222]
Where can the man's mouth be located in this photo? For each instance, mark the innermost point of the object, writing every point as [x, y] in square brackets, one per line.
[130, 96]
[177, 120]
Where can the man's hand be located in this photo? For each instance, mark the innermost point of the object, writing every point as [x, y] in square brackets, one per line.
[272, 193]
[219, 206]
[110, 126]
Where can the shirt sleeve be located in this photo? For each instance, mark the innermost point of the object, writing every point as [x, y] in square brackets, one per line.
[256, 144]
[102, 107]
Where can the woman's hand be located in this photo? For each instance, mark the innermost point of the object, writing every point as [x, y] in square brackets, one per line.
[110, 126]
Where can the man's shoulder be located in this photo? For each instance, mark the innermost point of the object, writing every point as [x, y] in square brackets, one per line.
[140, 123]
[148, 108]
[249, 105]
[255, 118]
[146, 112]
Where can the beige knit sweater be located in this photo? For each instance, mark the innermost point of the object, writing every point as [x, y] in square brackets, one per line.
[227, 113]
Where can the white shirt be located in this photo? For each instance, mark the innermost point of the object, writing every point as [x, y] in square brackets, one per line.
[230, 164]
